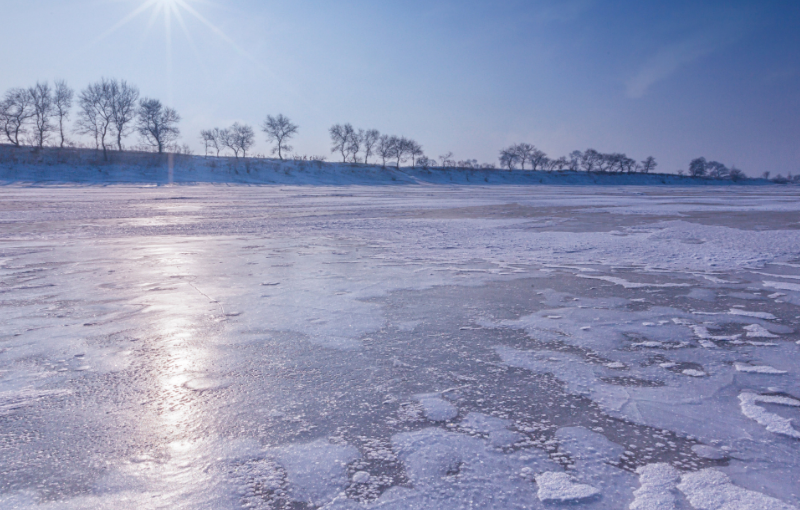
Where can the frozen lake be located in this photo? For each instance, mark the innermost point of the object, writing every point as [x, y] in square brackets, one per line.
[408, 347]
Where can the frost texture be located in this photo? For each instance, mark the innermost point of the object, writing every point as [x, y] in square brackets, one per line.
[710, 489]
[657, 491]
[556, 487]
[772, 422]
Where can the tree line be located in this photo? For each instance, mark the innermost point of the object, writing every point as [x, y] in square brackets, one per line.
[700, 167]
[111, 110]
[240, 138]
[590, 160]
[108, 112]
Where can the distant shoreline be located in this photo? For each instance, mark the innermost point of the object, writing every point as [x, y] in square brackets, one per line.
[87, 166]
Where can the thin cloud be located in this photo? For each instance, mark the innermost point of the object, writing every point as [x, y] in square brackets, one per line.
[671, 58]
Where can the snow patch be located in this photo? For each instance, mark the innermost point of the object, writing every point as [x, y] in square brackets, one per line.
[11, 400]
[758, 369]
[495, 428]
[555, 487]
[758, 331]
[316, 472]
[710, 489]
[757, 315]
[771, 421]
[632, 285]
[783, 286]
[436, 408]
[703, 333]
[658, 486]
[708, 452]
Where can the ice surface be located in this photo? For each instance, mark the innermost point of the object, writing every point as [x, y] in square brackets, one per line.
[758, 369]
[399, 347]
[495, 428]
[773, 422]
[757, 315]
[437, 409]
[758, 331]
[316, 472]
[710, 489]
[556, 487]
[783, 286]
[658, 488]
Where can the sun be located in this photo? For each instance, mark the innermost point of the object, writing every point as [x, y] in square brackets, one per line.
[172, 12]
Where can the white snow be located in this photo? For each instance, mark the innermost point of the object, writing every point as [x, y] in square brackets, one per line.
[693, 373]
[702, 332]
[436, 408]
[710, 489]
[559, 488]
[316, 472]
[310, 274]
[758, 331]
[361, 477]
[495, 428]
[795, 287]
[758, 369]
[757, 315]
[658, 486]
[772, 422]
[632, 285]
[708, 452]
[13, 400]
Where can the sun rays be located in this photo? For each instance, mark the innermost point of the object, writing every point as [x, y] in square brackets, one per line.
[173, 12]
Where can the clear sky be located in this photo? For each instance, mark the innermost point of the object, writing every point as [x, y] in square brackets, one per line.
[675, 80]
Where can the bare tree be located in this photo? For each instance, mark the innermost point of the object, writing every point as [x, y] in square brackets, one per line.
[590, 160]
[717, 170]
[537, 158]
[214, 139]
[648, 165]
[697, 167]
[385, 147]
[123, 108]
[736, 175]
[341, 136]
[279, 130]
[605, 162]
[425, 162]
[370, 141]
[524, 152]
[401, 149]
[225, 140]
[618, 163]
[627, 165]
[207, 137]
[415, 151]
[558, 164]
[16, 110]
[157, 124]
[43, 110]
[62, 103]
[509, 157]
[447, 160]
[239, 138]
[96, 112]
[354, 145]
[575, 158]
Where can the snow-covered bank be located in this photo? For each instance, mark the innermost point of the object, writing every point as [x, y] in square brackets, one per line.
[89, 166]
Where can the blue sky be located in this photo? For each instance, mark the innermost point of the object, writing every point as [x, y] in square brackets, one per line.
[675, 80]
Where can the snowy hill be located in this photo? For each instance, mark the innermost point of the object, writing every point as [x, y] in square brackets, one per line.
[25, 164]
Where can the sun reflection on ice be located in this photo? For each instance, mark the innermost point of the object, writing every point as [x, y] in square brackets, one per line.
[179, 368]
